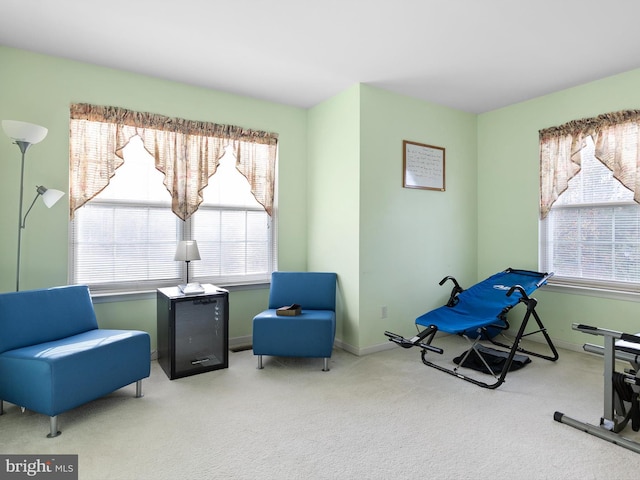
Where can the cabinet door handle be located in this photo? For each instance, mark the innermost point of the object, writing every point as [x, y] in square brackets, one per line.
[200, 360]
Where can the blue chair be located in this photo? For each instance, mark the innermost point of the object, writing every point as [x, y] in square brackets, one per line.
[310, 334]
[53, 356]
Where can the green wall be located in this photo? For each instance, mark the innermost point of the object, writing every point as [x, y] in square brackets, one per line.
[341, 204]
[508, 187]
[39, 89]
[390, 245]
[334, 203]
[412, 238]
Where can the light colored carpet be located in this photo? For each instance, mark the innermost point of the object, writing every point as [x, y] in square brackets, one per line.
[381, 416]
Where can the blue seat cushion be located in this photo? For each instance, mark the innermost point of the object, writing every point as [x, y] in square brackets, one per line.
[309, 334]
[56, 376]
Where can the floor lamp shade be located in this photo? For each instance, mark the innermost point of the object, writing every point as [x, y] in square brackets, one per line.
[50, 196]
[24, 132]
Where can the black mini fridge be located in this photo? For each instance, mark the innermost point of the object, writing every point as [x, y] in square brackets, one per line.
[193, 331]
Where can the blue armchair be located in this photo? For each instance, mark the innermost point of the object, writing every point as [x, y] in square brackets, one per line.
[310, 334]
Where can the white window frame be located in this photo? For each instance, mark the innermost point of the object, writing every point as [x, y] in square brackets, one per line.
[177, 270]
[601, 287]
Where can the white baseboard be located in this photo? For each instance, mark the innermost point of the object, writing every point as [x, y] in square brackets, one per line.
[244, 340]
[363, 351]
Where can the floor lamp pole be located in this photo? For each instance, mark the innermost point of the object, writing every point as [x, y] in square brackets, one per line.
[23, 148]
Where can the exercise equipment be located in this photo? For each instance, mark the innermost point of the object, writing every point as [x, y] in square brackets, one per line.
[621, 389]
[479, 313]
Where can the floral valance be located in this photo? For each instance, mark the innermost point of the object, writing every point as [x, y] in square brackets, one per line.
[617, 145]
[187, 152]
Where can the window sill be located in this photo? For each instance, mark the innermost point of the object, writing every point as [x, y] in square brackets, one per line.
[151, 294]
[609, 293]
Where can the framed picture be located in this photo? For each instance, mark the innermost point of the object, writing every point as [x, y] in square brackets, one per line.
[423, 166]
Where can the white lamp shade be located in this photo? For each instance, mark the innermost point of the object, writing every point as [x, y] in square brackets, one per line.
[51, 196]
[23, 131]
[187, 250]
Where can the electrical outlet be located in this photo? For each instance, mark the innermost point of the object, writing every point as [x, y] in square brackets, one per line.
[383, 312]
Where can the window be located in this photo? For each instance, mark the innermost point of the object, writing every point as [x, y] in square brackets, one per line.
[592, 232]
[124, 238]
[590, 237]
[235, 234]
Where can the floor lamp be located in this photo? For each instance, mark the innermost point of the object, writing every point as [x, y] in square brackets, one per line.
[24, 135]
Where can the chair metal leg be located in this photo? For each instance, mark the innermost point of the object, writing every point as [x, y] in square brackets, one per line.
[53, 427]
[260, 367]
[139, 389]
[1, 407]
[326, 364]
[53, 421]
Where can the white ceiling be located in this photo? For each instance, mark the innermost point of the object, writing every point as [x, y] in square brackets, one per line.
[472, 55]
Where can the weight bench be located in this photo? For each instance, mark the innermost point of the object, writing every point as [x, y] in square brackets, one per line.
[621, 390]
[479, 313]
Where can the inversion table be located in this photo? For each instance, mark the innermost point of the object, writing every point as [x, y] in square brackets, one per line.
[479, 313]
[621, 390]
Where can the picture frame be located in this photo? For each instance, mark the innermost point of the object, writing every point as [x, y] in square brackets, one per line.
[423, 166]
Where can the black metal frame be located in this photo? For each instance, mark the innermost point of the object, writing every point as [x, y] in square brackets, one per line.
[426, 336]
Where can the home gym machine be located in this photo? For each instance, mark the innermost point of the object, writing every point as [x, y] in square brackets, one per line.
[621, 389]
